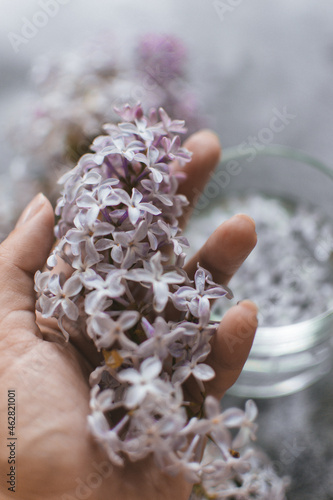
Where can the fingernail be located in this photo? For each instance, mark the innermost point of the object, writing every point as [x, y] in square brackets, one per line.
[32, 209]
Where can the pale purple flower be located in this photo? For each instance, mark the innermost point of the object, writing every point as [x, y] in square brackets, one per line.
[153, 273]
[101, 197]
[159, 337]
[41, 282]
[187, 464]
[82, 238]
[136, 207]
[157, 168]
[119, 147]
[247, 427]
[102, 289]
[130, 245]
[141, 382]
[100, 429]
[154, 235]
[130, 113]
[219, 422]
[154, 428]
[106, 331]
[174, 236]
[196, 300]
[79, 179]
[140, 129]
[193, 366]
[101, 400]
[176, 126]
[61, 297]
[173, 150]
[154, 189]
[220, 473]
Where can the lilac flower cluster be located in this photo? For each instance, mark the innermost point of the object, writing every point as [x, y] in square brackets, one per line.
[118, 230]
[255, 473]
[161, 61]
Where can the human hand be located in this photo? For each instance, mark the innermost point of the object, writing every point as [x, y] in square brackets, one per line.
[56, 457]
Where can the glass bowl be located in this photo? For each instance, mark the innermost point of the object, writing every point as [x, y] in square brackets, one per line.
[284, 359]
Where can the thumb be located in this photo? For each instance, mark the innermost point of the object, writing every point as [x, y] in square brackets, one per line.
[24, 252]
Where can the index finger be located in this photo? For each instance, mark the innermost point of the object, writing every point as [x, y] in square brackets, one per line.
[206, 149]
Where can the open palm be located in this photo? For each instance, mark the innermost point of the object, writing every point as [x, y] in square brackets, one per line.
[55, 456]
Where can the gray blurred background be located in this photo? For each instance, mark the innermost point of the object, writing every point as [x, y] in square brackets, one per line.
[248, 58]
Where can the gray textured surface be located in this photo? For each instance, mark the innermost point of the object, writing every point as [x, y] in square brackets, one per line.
[263, 55]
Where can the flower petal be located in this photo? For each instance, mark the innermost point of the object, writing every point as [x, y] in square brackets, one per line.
[203, 372]
[151, 368]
